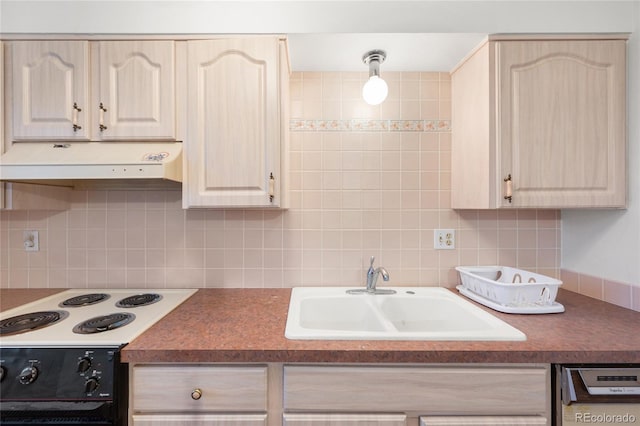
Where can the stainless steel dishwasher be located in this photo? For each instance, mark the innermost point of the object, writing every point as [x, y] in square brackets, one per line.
[597, 394]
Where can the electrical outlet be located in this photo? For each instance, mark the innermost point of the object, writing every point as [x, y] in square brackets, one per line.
[444, 239]
[30, 241]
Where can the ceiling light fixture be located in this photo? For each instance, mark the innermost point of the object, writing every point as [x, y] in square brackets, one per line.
[375, 90]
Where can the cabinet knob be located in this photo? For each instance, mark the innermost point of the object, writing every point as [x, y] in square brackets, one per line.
[196, 394]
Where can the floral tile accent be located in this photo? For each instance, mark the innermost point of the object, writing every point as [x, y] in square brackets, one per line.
[444, 126]
[332, 125]
[296, 125]
[407, 125]
[437, 126]
[366, 125]
[370, 125]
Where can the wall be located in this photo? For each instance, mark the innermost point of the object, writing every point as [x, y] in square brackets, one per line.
[607, 243]
[364, 181]
[598, 246]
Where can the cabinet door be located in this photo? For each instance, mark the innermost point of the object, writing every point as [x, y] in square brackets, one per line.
[49, 90]
[344, 419]
[561, 122]
[483, 421]
[20, 196]
[200, 420]
[234, 123]
[136, 96]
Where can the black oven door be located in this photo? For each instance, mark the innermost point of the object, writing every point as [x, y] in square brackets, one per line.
[58, 413]
[63, 386]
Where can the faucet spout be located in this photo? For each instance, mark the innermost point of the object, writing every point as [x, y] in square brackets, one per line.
[372, 280]
[372, 276]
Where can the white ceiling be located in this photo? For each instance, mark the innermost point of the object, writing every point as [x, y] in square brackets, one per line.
[405, 52]
[330, 35]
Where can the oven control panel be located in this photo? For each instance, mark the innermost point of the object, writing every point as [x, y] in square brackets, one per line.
[57, 373]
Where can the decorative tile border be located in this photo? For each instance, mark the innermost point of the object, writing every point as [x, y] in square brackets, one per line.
[364, 125]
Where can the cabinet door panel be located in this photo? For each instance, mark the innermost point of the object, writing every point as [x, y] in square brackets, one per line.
[344, 419]
[137, 90]
[483, 421]
[48, 79]
[562, 120]
[201, 420]
[234, 121]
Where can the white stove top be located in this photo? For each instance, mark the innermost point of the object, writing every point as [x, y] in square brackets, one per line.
[60, 333]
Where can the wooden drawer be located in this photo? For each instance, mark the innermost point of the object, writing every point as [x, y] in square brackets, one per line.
[423, 390]
[168, 388]
[344, 419]
[483, 421]
[200, 420]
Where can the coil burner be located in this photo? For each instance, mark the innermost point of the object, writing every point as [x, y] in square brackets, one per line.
[84, 300]
[104, 323]
[30, 322]
[139, 300]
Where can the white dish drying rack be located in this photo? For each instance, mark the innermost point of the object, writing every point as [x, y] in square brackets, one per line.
[510, 290]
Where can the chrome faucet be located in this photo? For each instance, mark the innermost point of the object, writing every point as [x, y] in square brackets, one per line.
[372, 279]
[372, 276]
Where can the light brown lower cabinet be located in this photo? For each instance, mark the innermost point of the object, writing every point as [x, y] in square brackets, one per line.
[199, 394]
[340, 395]
[200, 420]
[424, 390]
[344, 419]
[482, 421]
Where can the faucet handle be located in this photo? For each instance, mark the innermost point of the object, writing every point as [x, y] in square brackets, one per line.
[373, 258]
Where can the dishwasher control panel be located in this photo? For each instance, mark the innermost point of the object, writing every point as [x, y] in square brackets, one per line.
[611, 381]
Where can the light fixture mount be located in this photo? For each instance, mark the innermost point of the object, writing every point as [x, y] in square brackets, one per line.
[374, 55]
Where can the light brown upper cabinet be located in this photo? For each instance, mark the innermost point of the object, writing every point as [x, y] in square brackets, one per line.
[20, 196]
[50, 89]
[237, 103]
[540, 123]
[86, 90]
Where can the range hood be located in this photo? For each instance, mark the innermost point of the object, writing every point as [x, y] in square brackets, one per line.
[72, 163]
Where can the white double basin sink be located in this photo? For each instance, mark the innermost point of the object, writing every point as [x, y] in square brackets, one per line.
[412, 313]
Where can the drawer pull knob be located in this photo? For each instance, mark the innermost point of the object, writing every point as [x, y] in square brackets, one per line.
[196, 394]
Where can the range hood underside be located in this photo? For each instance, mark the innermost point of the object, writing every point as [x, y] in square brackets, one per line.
[107, 165]
[106, 184]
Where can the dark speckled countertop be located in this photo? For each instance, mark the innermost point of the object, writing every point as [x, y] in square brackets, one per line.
[247, 325]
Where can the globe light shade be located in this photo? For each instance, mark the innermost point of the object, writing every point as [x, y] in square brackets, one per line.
[375, 90]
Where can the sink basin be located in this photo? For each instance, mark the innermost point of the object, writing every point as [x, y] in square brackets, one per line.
[412, 313]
